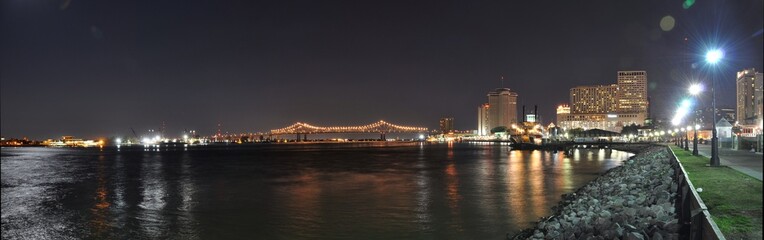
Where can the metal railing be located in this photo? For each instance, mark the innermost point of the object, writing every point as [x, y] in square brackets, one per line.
[694, 218]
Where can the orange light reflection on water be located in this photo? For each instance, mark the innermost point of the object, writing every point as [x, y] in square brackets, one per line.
[537, 184]
[100, 209]
[534, 183]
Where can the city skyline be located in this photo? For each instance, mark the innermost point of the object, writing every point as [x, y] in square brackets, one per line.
[93, 69]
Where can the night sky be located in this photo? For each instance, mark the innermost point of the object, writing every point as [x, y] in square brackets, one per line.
[98, 68]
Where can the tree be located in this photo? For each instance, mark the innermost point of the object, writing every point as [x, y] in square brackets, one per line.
[631, 129]
[576, 131]
[499, 129]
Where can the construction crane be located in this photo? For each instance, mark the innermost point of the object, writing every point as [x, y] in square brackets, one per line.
[136, 135]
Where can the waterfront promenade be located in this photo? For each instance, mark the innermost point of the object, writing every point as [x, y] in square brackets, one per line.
[744, 161]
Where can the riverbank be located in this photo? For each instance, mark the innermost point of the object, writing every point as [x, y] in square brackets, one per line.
[633, 201]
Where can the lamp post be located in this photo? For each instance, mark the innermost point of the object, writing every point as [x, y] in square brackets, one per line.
[695, 89]
[686, 140]
[681, 138]
[712, 57]
[695, 141]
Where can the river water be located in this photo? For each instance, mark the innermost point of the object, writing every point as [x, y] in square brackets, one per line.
[289, 191]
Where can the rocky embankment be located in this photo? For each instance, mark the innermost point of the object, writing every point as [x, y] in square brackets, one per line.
[633, 201]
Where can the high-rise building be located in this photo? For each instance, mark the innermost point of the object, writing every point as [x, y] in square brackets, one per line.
[483, 127]
[446, 125]
[632, 92]
[503, 108]
[594, 99]
[748, 90]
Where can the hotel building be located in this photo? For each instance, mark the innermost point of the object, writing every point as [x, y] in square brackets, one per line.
[501, 110]
[594, 99]
[748, 90]
[632, 91]
[749, 102]
[446, 125]
[607, 107]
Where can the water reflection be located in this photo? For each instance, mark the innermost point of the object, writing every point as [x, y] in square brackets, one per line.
[154, 192]
[100, 210]
[452, 188]
[118, 185]
[567, 170]
[422, 193]
[452, 180]
[301, 199]
[417, 191]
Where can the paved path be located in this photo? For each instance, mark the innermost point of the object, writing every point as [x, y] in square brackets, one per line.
[743, 161]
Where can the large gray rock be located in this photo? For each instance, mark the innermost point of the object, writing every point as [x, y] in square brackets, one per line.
[633, 201]
[634, 236]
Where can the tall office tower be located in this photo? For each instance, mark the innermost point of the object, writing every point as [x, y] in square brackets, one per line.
[748, 109]
[483, 128]
[503, 108]
[446, 125]
[594, 99]
[632, 92]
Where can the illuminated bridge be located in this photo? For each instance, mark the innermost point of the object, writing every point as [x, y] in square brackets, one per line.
[380, 127]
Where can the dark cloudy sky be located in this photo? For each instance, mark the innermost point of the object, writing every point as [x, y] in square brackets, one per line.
[98, 68]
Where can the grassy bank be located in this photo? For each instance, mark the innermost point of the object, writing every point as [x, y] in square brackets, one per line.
[733, 198]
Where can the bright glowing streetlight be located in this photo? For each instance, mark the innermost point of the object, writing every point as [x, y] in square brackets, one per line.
[681, 112]
[696, 89]
[714, 56]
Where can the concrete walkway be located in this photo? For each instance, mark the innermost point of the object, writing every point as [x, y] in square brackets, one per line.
[744, 161]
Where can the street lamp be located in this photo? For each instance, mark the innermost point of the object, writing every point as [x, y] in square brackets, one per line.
[695, 140]
[713, 57]
[684, 108]
[695, 89]
[687, 139]
[671, 136]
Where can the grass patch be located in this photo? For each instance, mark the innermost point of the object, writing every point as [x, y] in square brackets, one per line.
[733, 198]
